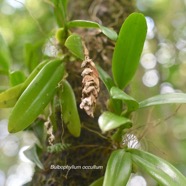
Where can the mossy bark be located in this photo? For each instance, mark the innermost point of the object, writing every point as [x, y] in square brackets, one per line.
[91, 148]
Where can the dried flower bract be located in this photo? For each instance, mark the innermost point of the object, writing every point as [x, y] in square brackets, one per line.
[49, 129]
[90, 85]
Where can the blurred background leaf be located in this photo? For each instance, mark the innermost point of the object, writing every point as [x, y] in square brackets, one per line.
[5, 58]
[16, 77]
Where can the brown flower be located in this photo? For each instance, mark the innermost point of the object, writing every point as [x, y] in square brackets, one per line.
[90, 85]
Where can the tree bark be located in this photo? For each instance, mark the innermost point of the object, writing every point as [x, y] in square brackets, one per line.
[91, 148]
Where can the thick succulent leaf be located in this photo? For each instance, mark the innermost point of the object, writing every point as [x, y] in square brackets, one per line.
[90, 24]
[128, 49]
[118, 168]
[108, 121]
[31, 154]
[69, 110]
[75, 46]
[131, 103]
[98, 182]
[36, 96]
[162, 171]
[9, 97]
[163, 99]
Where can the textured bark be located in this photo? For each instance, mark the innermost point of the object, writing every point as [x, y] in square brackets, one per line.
[90, 148]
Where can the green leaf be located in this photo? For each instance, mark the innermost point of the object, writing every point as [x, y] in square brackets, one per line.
[4, 56]
[35, 72]
[36, 96]
[98, 182]
[162, 171]
[74, 44]
[38, 128]
[108, 121]
[131, 103]
[128, 49]
[9, 97]
[31, 154]
[64, 4]
[118, 169]
[16, 77]
[61, 36]
[90, 24]
[114, 105]
[111, 34]
[105, 78]
[69, 110]
[60, 8]
[163, 99]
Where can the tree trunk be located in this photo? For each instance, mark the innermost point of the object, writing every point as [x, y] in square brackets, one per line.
[91, 148]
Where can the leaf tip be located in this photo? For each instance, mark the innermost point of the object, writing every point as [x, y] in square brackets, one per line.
[11, 129]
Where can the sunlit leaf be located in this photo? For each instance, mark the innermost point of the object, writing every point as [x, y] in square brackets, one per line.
[69, 110]
[118, 168]
[74, 44]
[163, 99]
[128, 49]
[162, 171]
[90, 24]
[131, 103]
[108, 121]
[31, 154]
